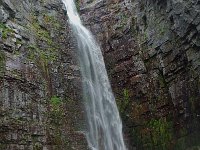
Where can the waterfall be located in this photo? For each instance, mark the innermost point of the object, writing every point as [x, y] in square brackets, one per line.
[104, 123]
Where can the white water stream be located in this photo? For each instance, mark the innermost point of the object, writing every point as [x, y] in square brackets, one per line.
[104, 123]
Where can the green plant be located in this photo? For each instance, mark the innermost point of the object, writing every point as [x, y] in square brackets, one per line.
[5, 31]
[124, 102]
[51, 21]
[56, 111]
[161, 133]
[36, 53]
[48, 52]
[55, 101]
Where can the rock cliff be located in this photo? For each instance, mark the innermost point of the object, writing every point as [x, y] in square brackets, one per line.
[40, 104]
[152, 54]
[151, 50]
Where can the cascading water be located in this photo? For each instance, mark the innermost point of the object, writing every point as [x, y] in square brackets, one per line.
[104, 123]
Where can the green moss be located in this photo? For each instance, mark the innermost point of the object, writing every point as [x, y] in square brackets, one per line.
[36, 54]
[55, 101]
[43, 52]
[157, 134]
[55, 121]
[42, 58]
[16, 74]
[3, 146]
[42, 34]
[123, 102]
[19, 42]
[48, 53]
[77, 2]
[52, 21]
[5, 31]
[160, 132]
[56, 110]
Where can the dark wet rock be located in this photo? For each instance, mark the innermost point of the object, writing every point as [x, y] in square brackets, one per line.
[9, 7]
[151, 51]
[38, 68]
[3, 15]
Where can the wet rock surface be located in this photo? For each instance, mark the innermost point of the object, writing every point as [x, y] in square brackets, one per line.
[40, 103]
[151, 51]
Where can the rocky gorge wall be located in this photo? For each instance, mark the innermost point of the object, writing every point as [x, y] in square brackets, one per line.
[40, 104]
[151, 51]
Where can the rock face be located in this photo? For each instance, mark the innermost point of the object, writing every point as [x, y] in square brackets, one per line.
[40, 104]
[151, 51]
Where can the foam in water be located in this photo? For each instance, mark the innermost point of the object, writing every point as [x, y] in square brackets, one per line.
[104, 123]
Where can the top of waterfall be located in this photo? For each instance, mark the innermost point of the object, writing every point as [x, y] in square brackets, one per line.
[72, 11]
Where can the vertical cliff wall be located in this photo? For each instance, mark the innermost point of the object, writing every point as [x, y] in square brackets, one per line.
[40, 104]
[151, 50]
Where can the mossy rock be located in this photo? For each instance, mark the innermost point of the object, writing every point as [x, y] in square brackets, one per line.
[156, 134]
[2, 63]
[5, 31]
